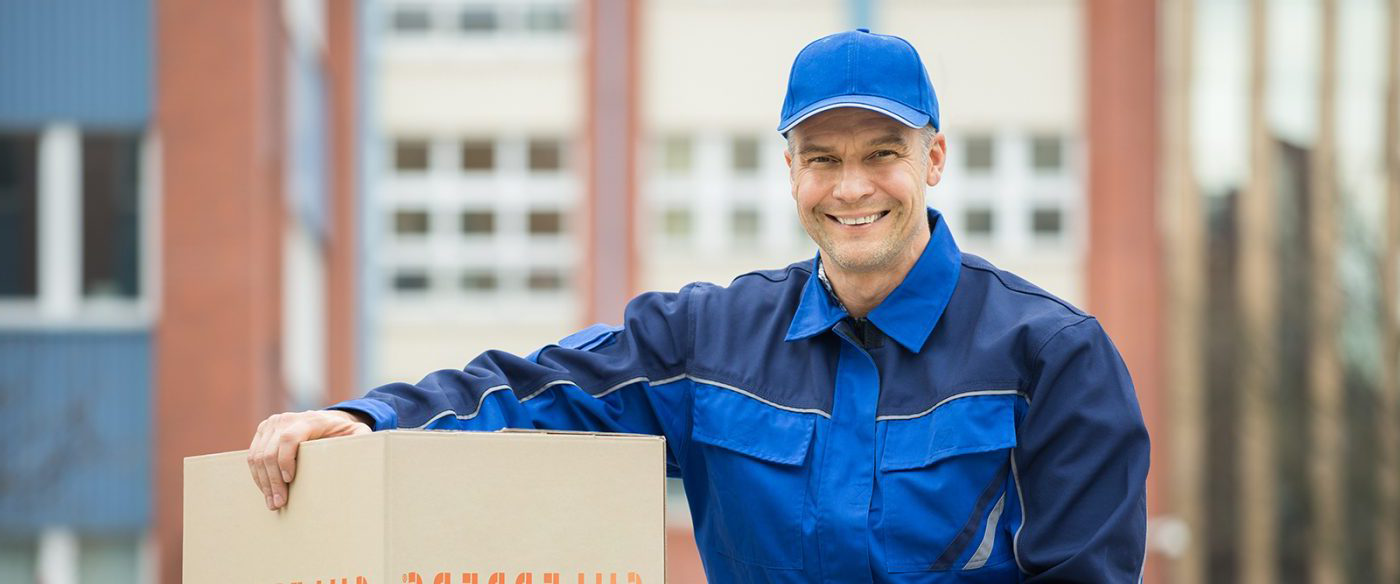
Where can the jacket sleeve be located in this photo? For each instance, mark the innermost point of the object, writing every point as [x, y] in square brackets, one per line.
[603, 379]
[1081, 464]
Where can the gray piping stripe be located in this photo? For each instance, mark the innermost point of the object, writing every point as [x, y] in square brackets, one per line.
[541, 389]
[1021, 503]
[1142, 567]
[745, 393]
[609, 390]
[622, 385]
[671, 379]
[989, 536]
[951, 398]
[445, 413]
[537, 392]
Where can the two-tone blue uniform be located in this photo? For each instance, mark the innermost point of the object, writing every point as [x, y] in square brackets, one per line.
[973, 428]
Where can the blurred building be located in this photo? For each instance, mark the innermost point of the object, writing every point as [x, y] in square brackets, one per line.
[177, 244]
[1279, 164]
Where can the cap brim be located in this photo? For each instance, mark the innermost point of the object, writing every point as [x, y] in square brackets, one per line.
[904, 114]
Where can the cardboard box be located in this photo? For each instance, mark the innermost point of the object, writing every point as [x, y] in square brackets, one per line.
[413, 507]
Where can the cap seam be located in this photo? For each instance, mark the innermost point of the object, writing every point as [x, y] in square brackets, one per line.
[851, 58]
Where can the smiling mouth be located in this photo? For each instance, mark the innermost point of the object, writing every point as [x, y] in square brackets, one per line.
[858, 221]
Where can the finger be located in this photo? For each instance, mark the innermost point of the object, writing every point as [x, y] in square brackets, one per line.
[255, 463]
[288, 445]
[274, 475]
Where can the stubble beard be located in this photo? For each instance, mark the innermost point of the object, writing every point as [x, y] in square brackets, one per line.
[860, 257]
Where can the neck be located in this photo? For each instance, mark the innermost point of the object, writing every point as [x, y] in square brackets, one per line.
[861, 291]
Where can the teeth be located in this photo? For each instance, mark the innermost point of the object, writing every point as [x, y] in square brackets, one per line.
[858, 220]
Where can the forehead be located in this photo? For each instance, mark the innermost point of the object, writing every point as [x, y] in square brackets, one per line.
[847, 123]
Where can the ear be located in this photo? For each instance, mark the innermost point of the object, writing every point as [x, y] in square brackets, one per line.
[937, 157]
[787, 157]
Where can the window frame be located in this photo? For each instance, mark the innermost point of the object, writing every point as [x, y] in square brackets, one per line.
[59, 298]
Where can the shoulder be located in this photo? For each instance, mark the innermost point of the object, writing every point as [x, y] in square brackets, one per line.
[759, 288]
[1003, 301]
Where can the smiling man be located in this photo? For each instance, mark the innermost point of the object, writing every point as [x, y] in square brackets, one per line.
[891, 411]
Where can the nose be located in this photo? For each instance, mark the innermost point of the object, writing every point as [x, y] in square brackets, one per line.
[854, 185]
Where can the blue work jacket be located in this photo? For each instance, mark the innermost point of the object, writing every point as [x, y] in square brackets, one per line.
[973, 428]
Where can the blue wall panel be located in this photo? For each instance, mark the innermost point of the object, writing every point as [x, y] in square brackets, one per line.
[87, 61]
[75, 416]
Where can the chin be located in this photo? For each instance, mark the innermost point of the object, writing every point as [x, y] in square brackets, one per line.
[862, 260]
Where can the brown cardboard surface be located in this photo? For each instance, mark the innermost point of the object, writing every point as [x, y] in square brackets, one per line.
[405, 506]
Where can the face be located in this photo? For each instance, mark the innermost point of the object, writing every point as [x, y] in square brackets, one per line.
[858, 178]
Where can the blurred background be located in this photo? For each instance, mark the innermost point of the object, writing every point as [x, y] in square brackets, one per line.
[214, 211]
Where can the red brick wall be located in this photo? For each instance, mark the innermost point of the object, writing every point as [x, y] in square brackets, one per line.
[342, 324]
[218, 118]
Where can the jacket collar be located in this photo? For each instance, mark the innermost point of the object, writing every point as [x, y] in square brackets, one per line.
[909, 313]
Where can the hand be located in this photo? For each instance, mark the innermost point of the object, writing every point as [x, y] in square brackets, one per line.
[272, 456]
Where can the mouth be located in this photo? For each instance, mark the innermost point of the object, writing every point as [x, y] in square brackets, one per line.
[858, 221]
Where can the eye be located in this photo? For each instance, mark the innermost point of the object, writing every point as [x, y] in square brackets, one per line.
[821, 160]
[884, 154]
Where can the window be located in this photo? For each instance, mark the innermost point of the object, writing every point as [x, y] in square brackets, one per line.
[1046, 222]
[978, 221]
[478, 281]
[1047, 154]
[979, 158]
[411, 280]
[478, 223]
[745, 155]
[111, 215]
[546, 155]
[411, 155]
[411, 222]
[745, 223]
[478, 155]
[545, 280]
[19, 214]
[411, 19]
[477, 19]
[676, 223]
[676, 154]
[548, 19]
[546, 223]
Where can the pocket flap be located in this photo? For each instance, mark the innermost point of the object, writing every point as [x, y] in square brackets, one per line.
[743, 424]
[962, 425]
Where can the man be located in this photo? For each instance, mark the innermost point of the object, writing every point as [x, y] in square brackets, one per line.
[893, 410]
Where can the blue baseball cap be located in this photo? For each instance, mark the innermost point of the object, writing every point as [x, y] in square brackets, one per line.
[858, 68]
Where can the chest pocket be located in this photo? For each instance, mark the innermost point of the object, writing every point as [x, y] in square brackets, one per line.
[949, 498]
[755, 456]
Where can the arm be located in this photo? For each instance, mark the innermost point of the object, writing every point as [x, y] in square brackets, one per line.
[623, 379]
[1082, 465]
[588, 381]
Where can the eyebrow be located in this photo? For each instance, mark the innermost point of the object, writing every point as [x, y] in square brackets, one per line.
[888, 140]
[891, 139]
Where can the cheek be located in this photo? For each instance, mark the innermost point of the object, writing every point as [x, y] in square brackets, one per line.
[808, 189]
[900, 185]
